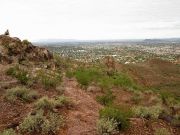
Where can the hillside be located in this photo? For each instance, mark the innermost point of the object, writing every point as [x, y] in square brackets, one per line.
[43, 93]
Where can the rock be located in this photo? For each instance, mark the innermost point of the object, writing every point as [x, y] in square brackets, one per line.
[166, 117]
[13, 47]
[7, 33]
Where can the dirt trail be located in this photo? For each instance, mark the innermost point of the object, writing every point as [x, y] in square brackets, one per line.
[82, 119]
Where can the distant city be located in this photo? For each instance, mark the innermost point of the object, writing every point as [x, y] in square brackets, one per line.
[124, 51]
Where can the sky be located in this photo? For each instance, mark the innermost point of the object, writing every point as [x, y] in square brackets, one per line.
[90, 19]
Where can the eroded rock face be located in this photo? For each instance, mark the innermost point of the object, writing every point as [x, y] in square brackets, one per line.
[13, 49]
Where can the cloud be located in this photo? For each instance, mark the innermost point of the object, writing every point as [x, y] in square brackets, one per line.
[165, 26]
[90, 19]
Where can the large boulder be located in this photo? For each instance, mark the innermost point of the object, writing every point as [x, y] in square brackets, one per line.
[13, 49]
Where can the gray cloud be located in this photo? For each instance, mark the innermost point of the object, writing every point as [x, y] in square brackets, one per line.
[91, 19]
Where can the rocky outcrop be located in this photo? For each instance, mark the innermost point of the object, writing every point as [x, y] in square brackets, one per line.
[13, 49]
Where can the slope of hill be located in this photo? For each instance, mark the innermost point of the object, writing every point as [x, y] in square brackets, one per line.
[42, 93]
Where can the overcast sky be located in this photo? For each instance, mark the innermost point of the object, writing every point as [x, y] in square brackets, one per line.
[90, 19]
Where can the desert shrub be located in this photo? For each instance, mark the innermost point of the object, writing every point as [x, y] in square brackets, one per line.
[107, 126]
[176, 120]
[52, 124]
[49, 82]
[162, 131]
[26, 42]
[148, 112]
[137, 97]
[48, 79]
[119, 115]
[169, 99]
[20, 74]
[22, 77]
[8, 132]
[45, 103]
[69, 74]
[62, 101]
[32, 123]
[20, 93]
[61, 62]
[41, 123]
[12, 71]
[106, 99]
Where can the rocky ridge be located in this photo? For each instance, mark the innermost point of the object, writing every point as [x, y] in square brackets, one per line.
[12, 49]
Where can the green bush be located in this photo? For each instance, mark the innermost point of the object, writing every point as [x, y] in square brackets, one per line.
[148, 112]
[120, 115]
[20, 93]
[107, 126]
[106, 99]
[122, 80]
[41, 123]
[8, 132]
[20, 74]
[89, 75]
[106, 82]
[86, 76]
[162, 131]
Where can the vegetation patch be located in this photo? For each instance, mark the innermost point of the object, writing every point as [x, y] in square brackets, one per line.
[8, 132]
[169, 98]
[61, 101]
[46, 103]
[100, 76]
[20, 93]
[162, 131]
[20, 74]
[69, 74]
[137, 97]
[107, 126]
[41, 123]
[86, 76]
[152, 112]
[48, 79]
[119, 115]
[106, 99]
[61, 62]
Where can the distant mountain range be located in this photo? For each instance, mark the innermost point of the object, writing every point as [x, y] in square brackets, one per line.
[165, 40]
[148, 41]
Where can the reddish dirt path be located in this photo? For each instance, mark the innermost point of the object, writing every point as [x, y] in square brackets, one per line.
[82, 119]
